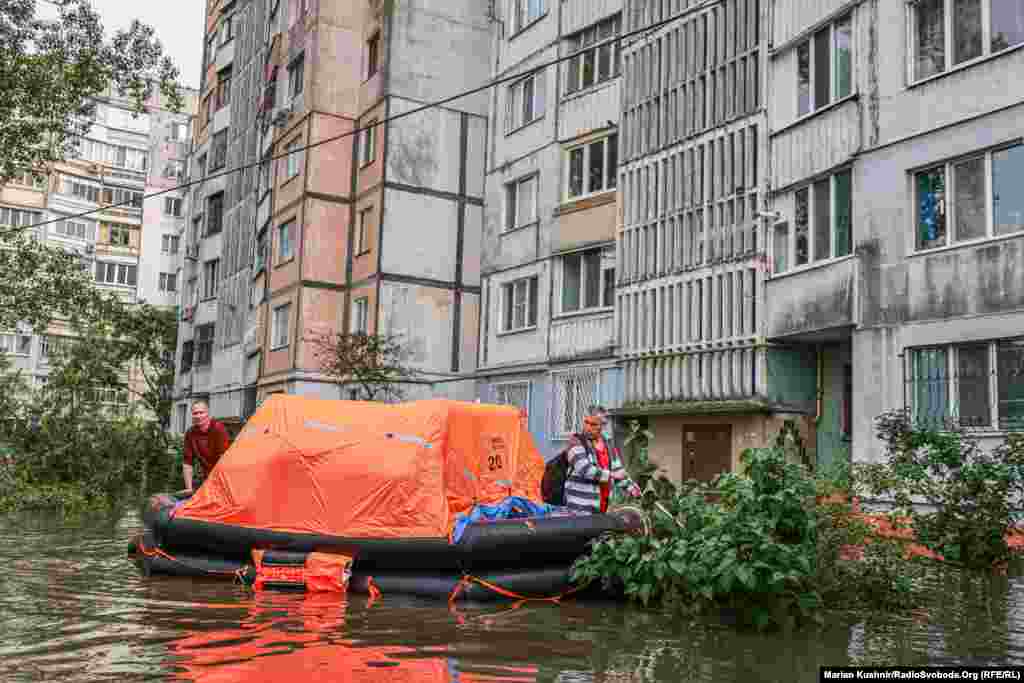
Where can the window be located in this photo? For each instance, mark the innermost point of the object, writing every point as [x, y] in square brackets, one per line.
[214, 214]
[116, 274]
[260, 261]
[81, 190]
[825, 67]
[361, 315]
[588, 280]
[27, 179]
[227, 29]
[168, 282]
[223, 92]
[368, 143]
[972, 385]
[285, 236]
[593, 167]
[593, 64]
[521, 202]
[984, 201]
[822, 224]
[293, 162]
[18, 218]
[573, 392]
[16, 344]
[71, 229]
[172, 206]
[179, 132]
[187, 353]
[295, 76]
[169, 244]
[373, 55]
[524, 102]
[204, 345]
[363, 231]
[50, 346]
[950, 32]
[513, 394]
[211, 278]
[524, 13]
[219, 150]
[279, 328]
[119, 235]
[122, 198]
[519, 301]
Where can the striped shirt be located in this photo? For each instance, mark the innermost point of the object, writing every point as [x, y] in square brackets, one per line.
[583, 483]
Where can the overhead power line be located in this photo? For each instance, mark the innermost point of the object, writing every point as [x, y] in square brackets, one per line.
[431, 105]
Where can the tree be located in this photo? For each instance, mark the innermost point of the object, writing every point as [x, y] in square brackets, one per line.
[374, 366]
[52, 70]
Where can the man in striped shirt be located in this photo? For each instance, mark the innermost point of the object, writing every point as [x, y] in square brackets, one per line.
[594, 466]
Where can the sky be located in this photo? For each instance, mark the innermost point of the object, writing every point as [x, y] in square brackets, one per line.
[178, 25]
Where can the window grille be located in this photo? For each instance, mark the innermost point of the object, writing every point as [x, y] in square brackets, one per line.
[513, 394]
[572, 393]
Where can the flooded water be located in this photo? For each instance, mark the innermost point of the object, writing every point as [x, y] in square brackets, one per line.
[74, 608]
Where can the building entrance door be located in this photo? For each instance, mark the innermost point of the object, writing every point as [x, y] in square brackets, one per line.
[707, 451]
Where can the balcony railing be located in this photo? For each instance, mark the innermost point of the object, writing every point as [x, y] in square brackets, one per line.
[583, 336]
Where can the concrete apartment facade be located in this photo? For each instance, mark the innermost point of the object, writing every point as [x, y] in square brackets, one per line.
[690, 301]
[378, 231]
[547, 336]
[923, 307]
[128, 249]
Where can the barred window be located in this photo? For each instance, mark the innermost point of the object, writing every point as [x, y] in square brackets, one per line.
[573, 392]
[513, 394]
[972, 385]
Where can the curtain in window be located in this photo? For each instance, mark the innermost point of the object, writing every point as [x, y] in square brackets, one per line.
[931, 207]
[931, 38]
[929, 385]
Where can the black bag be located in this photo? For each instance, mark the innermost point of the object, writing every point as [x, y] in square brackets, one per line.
[556, 471]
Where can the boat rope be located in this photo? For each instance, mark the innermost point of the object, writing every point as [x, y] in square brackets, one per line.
[468, 580]
[157, 552]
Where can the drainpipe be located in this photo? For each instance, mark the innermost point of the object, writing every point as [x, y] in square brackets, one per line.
[820, 384]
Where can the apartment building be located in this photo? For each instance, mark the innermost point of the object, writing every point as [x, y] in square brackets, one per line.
[376, 232]
[547, 336]
[896, 157]
[690, 298]
[123, 157]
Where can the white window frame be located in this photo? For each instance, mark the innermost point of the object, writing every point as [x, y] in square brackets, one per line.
[512, 189]
[610, 179]
[211, 285]
[173, 206]
[509, 291]
[168, 282]
[280, 337]
[813, 105]
[790, 227]
[948, 168]
[296, 75]
[521, 17]
[360, 323]
[604, 256]
[121, 229]
[515, 117]
[949, 42]
[368, 143]
[574, 45]
[129, 271]
[81, 229]
[285, 238]
[170, 244]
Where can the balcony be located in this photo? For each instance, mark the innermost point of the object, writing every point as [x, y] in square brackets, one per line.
[814, 304]
[583, 336]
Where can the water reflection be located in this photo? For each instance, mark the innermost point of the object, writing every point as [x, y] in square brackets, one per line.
[73, 609]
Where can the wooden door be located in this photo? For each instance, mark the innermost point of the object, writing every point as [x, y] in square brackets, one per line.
[707, 451]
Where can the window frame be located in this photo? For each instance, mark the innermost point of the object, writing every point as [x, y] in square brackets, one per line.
[293, 159]
[368, 143]
[362, 245]
[211, 285]
[130, 271]
[951, 384]
[948, 168]
[509, 304]
[788, 227]
[606, 274]
[285, 229]
[520, 19]
[809, 44]
[297, 67]
[276, 341]
[17, 340]
[360, 322]
[610, 176]
[373, 55]
[513, 187]
[213, 227]
[177, 202]
[949, 41]
[515, 119]
[168, 283]
[219, 150]
[203, 345]
[573, 86]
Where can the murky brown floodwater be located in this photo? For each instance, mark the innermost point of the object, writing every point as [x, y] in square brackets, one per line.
[73, 608]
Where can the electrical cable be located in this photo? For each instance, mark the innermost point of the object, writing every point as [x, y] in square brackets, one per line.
[431, 105]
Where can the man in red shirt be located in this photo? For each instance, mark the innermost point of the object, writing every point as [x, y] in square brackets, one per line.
[206, 440]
